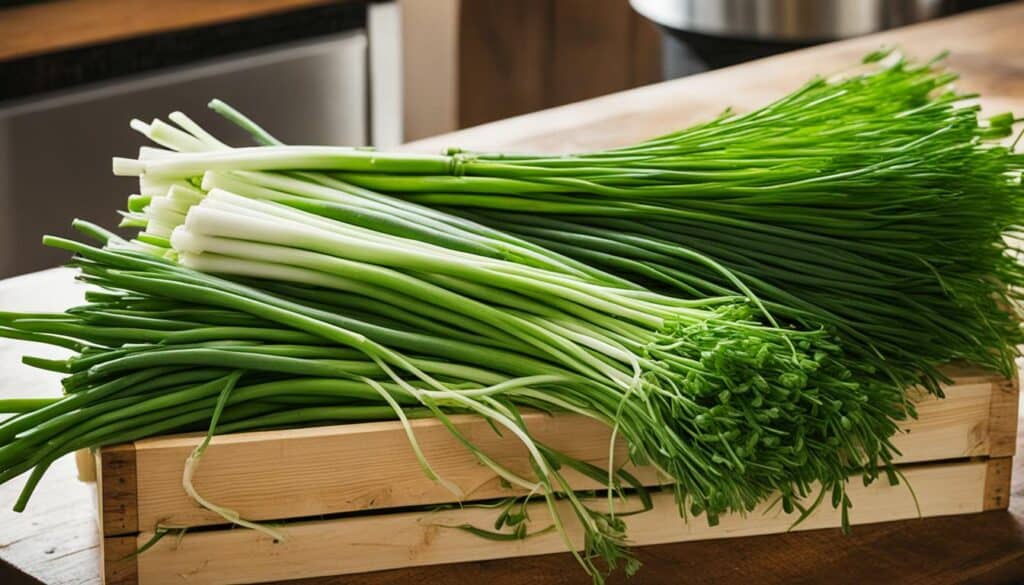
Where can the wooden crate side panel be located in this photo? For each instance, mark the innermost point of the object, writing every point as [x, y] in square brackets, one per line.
[309, 472]
[120, 566]
[997, 483]
[948, 428]
[385, 541]
[326, 470]
[1003, 417]
[117, 487]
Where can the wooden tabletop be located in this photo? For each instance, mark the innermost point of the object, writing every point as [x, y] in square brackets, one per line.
[56, 25]
[55, 540]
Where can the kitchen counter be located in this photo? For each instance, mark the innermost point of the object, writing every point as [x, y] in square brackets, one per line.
[56, 539]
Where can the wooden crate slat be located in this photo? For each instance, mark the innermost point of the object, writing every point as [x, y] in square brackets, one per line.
[327, 470]
[1003, 418]
[949, 428]
[383, 541]
[997, 483]
[119, 561]
[117, 493]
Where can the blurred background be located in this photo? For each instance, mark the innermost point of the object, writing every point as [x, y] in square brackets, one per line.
[74, 72]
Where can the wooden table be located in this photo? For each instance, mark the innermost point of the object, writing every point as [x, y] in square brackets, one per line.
[56, 539]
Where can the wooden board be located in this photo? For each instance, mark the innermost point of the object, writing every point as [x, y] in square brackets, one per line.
[382, 541]
[342, 469]
[518, 57]
[501, 47]
[117, 490]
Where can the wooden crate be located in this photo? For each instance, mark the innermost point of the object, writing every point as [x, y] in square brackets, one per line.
[343, 488]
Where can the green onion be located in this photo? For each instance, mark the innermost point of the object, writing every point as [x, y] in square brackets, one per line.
[874, 204]
[745, 302]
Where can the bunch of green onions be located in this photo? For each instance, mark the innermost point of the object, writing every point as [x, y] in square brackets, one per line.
[347, 305]
[271, 287]
[876, 204]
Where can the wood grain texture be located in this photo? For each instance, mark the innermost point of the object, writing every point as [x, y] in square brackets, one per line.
[85, 461]
[997, 483]
[46, 27]
[370, 466]
[502, 49]
[518, 57]
[979, 549]
[414, 538]
[327, 470]
[56, 538]
[644, 52]
[1002, 432]
[591, 50]
[120, 565]
[117, 481]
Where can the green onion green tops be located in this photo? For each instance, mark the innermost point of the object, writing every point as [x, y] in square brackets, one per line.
[745, 302]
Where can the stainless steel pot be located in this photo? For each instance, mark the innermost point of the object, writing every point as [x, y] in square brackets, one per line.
[788, 20]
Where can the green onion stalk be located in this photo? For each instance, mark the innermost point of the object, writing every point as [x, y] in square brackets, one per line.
[254, 298]
[161, 348]
[215, 230]
[877, 203]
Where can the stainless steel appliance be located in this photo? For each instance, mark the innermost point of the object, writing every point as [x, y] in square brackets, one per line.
[55, 147]
[706, 34]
